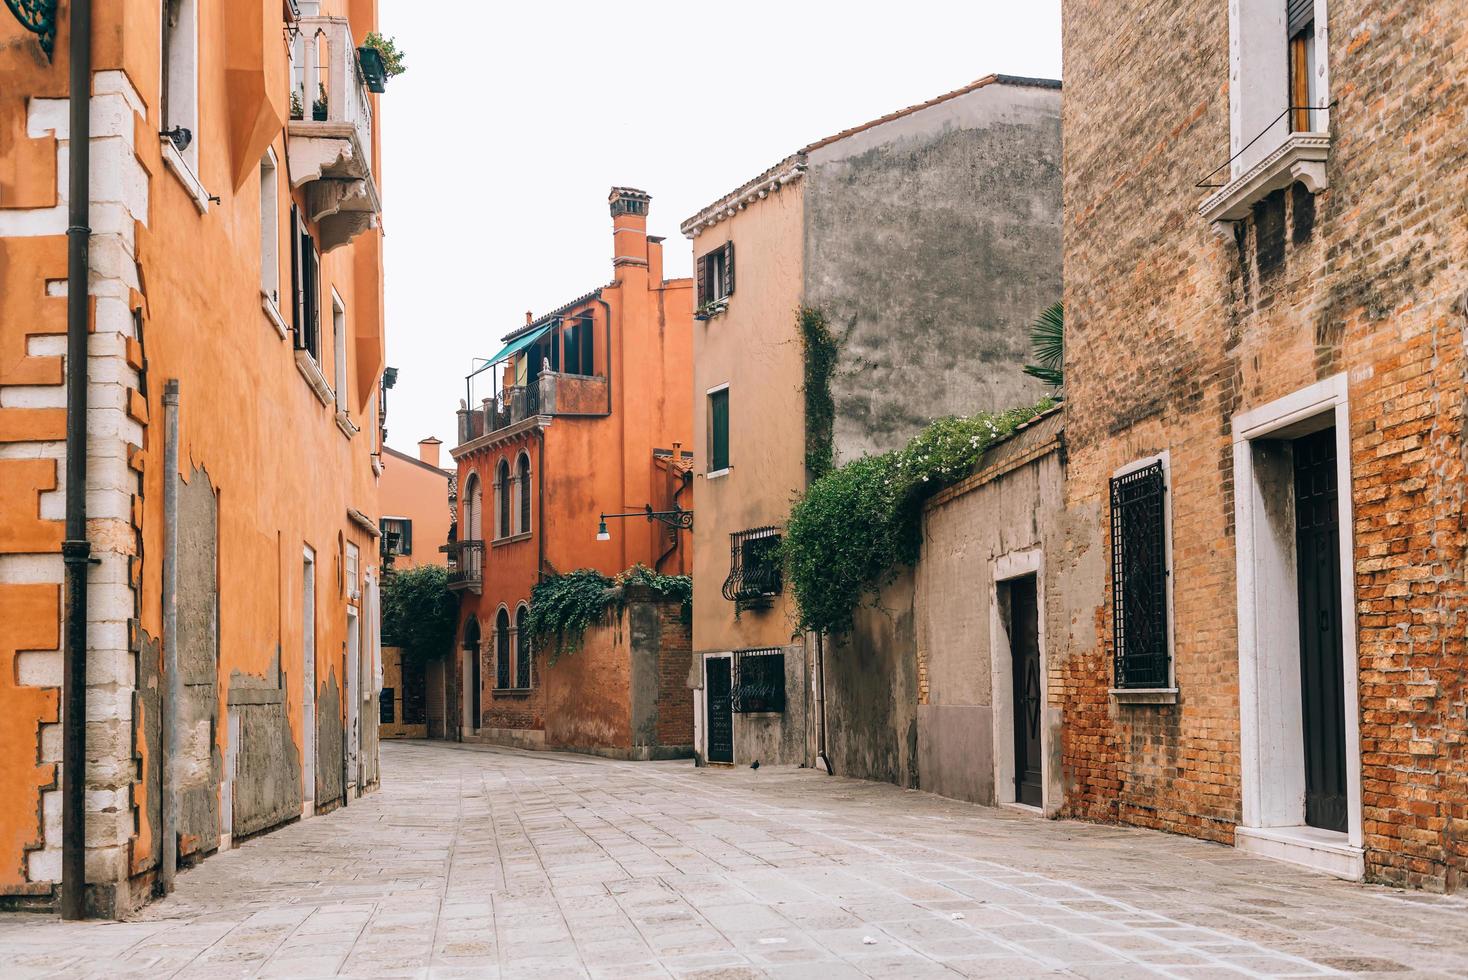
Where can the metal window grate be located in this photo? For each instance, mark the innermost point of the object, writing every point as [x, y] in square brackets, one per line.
[759, 680]
[1139, 578]
[754, 567]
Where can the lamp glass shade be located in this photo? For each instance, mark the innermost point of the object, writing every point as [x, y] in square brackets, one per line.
[601, 532]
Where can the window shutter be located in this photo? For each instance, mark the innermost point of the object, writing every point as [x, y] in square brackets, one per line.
[1139, 579]
[313, 297]
[728, 268]
[700, 269]
[298, 316]
[1298, 15]
[719, 431]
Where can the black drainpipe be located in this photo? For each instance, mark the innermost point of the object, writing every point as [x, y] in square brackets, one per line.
[76, 550]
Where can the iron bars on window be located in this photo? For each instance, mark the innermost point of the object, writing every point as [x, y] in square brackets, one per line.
[754, 567]
[759, 680]
[1139, 578]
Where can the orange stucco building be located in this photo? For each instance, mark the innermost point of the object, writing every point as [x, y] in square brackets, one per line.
[234, 324]
[416, 502]
[585, 411]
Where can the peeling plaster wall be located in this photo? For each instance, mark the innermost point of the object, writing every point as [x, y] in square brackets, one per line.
[932, 242]
[199, 765]
[329, 742]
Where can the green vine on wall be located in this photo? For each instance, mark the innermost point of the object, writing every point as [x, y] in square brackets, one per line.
[820, 349]
[857, 525]
[563, 607]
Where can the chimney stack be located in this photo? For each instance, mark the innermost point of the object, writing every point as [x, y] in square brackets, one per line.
[428, 451]
[629, 226]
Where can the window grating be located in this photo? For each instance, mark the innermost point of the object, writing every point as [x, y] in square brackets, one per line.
[754, 567]
[759, 680]
[1139, 578]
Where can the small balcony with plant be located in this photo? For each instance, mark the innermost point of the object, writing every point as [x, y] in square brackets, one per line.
[466, 566]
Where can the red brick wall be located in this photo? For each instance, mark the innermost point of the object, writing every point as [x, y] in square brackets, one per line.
[675, 660]
[1172, 330]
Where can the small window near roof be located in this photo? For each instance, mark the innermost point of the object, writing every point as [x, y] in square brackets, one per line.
[715, 273]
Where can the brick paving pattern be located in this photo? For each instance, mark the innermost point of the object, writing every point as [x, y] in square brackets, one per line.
[481, 862]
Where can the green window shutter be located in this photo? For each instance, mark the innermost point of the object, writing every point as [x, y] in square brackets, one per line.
[719, 431]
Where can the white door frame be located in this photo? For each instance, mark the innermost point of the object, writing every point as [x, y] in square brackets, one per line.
[1270, 725]
[308, 682]
[700, 703]
[1006, 568]
[354, 701]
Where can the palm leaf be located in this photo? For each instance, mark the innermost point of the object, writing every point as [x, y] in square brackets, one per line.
[1047, 344]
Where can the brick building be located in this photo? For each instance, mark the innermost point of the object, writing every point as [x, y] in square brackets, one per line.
[584, 411]
[1265, 260]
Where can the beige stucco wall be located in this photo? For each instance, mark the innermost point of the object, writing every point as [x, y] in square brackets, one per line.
[754, 348]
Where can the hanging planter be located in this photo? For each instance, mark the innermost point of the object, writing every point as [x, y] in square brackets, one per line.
[374, 72]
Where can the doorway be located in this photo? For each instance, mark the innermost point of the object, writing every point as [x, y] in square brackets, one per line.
[354, 701]
[1018, 682]
[1024, 648]
[718, 688]
[435, 706]
[1299, 716]
[308, 683]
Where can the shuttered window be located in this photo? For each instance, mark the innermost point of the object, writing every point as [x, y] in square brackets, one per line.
[306, 283]
[1139, 578]
[715, 274]
[502, 499]
[1300, 29]
[719, 430]
[502, 650]
[522, 649]
[523, 481]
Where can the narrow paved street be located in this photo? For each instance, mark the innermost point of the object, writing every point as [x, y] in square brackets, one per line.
[476, 862]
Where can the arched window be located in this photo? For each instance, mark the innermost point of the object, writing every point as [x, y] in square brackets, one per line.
[473, 510]
[502, 649]
[522, 648]
[522, 481]
[502, 495]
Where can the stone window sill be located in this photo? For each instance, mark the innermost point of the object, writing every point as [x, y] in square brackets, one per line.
[1144, 695]
[718, 474]
[272, 313]
[512, 692]
[345, 423]
[1301, 158]
[306, 364]
[186, 176]
[511, 539]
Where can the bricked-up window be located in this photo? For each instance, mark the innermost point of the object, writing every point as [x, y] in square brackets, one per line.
[522, 649]
[754, 567]
[502, 650]
[715, 272]
[759, 680]
[719, 430]
[1139, 578]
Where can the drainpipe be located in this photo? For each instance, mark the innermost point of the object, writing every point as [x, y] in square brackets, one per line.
[172, 679]
[539, 508]
[76, 550]
[821, 755]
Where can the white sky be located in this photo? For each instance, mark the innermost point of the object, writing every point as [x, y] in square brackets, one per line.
[514, 120]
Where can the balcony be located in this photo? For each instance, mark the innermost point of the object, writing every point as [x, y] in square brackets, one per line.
[466, 566]
[330, 132]
[553, 393]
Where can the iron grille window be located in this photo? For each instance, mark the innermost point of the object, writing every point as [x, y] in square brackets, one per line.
[1139, 578]
[759, 680]
[754, 566]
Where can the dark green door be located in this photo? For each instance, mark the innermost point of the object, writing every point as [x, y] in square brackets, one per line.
[1024, 645]
[718, 688]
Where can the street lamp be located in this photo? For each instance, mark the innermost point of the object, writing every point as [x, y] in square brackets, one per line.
[677, 518]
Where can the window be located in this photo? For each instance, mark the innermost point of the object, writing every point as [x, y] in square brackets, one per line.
[306, 284]
[179, 86]
[354, 561]
[339, 349]
[1300, 29]
[715, 273]
[719, 430]
[397, 536]
[473, 509]
[522, 649]
[522, 484]
[387, 706]
[1139, 578]
[579, 358]
[759, 680]
[754, 567]
[502, 499]
[269, 230]
[502, 650]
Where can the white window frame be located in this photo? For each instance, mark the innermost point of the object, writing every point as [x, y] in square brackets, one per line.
[270, 241]
[178, 84]
[339, 350]
[1168, 694]
[709, 432]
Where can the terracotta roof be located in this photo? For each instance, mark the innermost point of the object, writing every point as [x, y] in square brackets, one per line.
[558, 311]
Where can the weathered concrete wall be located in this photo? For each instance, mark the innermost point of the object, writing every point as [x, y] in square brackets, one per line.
[199, 765]
[330, 786]
[266, 785]
[931, 242]
[871, 690]
[778, 738]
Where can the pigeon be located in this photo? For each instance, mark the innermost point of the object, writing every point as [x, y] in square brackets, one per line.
[754, 764]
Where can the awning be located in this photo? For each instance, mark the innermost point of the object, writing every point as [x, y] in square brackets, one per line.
[518, 344]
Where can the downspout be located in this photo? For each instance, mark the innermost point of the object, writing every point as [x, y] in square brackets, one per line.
[821, 755]
[683, 483]
[540, 508]
[173, 680]
[76, 550]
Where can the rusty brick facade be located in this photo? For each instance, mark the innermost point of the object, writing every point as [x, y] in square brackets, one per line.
[1175, 330]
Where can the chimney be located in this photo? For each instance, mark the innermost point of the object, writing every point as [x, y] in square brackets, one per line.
[428, 451]
[629, 226]
[655, 260]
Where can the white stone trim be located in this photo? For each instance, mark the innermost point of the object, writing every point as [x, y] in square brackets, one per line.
[1301, 158]
[180, 167]
[272, 313]
[311, 371]
[756, 190]
[1272, 766]
[1006, 568]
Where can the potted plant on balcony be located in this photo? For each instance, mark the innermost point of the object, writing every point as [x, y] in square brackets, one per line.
[380, 60]
[320, 106]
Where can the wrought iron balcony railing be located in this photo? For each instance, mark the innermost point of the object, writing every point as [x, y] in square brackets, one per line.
[466, 565]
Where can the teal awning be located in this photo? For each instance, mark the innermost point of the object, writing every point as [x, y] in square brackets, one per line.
[518, 344]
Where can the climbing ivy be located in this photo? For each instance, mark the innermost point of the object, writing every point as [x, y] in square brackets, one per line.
[855, 526]
[562, 607]
[820, 350]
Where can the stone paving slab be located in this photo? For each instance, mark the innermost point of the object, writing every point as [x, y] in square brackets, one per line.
[477, 862]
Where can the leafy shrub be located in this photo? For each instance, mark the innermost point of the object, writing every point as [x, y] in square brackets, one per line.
[419, 613]
[858, 524]
[562, 607]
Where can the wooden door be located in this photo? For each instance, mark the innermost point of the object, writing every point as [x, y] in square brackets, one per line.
[1322, 680]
